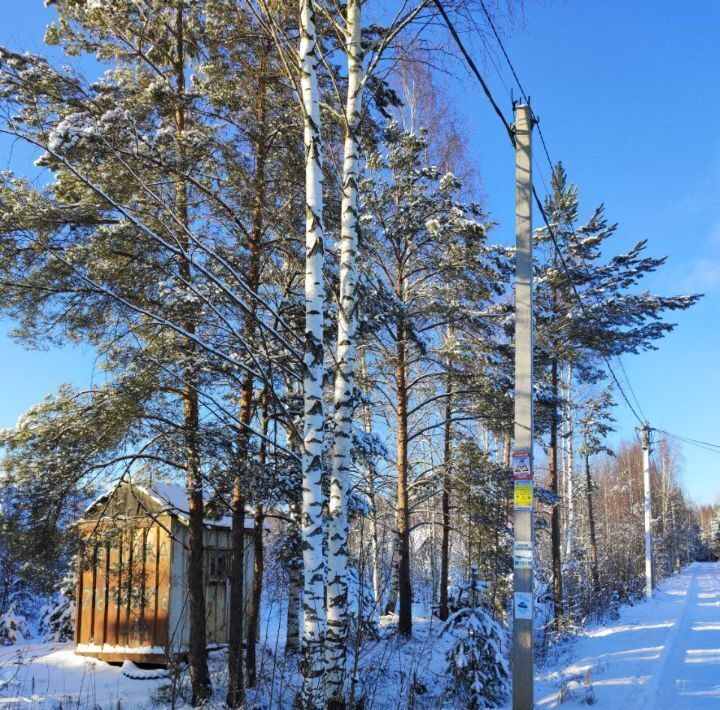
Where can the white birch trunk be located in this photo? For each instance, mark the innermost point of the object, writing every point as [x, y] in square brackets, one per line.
[337, 590]
[314, 571]
[391, 601]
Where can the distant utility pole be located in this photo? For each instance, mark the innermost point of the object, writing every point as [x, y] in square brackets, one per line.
[522, 463]
[645, 439]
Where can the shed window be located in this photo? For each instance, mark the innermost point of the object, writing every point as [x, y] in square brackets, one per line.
[219, 565]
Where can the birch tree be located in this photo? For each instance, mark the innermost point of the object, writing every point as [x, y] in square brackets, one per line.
[344, 400]
[358, 78]
[314, 617]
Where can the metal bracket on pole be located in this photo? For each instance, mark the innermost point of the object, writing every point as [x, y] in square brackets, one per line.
[523, 526]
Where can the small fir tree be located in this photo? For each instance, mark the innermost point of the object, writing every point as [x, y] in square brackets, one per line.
[476, 662]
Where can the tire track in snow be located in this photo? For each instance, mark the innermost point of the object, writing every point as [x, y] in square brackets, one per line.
[657, 687]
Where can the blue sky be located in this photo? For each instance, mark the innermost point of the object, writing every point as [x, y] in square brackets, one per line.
[26, 376]
[628, 96]
[629, 99]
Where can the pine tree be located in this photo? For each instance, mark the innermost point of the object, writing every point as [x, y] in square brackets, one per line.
[419, 238]
[107, 143]
[614, 320]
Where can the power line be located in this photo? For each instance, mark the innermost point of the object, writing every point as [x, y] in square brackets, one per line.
[629, 384]
[694, 442]
[551, 164]
[522, 90]
[465, 53]
[517, 79]
[502, 47]
[491, 56]
[579, 300]
[475, 70]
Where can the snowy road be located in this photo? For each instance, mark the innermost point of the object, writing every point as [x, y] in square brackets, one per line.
[660, 654]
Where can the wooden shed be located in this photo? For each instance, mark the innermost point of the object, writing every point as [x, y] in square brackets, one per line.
[132, 584]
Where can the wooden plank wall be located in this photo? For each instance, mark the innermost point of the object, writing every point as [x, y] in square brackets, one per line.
[133, 587]
[124, 585]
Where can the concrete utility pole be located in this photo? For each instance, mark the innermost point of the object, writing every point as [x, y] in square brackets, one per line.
[645, 438]
[524, 540]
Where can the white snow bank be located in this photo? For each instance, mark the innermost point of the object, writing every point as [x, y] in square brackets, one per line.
[108, 648]
[133, 671]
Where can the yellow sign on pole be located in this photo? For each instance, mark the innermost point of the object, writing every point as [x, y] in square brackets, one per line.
[523, 495]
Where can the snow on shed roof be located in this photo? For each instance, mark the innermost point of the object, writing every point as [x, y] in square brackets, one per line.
[171, 497]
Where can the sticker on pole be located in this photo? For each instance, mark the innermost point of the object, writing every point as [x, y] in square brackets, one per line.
[523, 495]
[522, 555]
[522, 466]
[523, 605]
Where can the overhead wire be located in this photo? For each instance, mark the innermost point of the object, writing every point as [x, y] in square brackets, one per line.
[552, 164]
[688, 440]
[508, 128]
[523, 93]
[507, 88]
[630, 387]
[475, 70]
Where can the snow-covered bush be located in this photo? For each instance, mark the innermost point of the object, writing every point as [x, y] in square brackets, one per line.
[476, 662]
[13, 627]
[57, 619]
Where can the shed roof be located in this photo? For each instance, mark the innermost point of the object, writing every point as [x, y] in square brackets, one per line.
[171, 498]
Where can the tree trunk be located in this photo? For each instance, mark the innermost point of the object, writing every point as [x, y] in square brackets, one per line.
[344, 399]
[430, 516]
[374, 551]
[591, 524]
[313, 666]
[236, 686]
[253, 617]
[295, 569]
[555, 516]
[371, 477]
[236, 694]
[197, 656]
[569, 461]
[253, 612]
[443, 612]
[403, 511]
[392, 597]
[675, 545]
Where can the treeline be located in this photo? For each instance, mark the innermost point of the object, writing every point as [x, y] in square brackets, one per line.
[603, 522]
[252, 213]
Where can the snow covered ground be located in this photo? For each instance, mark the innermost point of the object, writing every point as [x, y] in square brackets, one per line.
[659, 654]
[52, 676]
